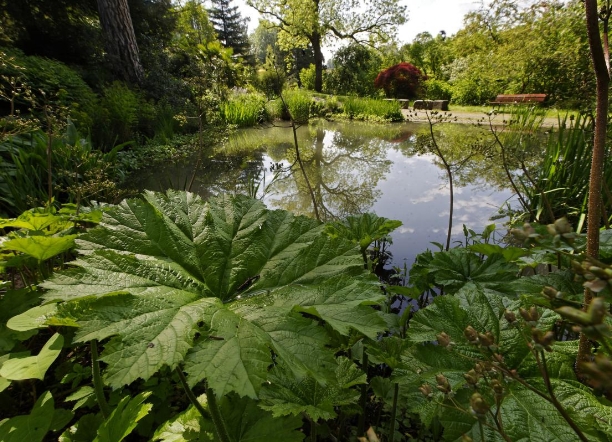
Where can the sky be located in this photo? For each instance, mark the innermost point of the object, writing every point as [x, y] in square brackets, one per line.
[430, 16]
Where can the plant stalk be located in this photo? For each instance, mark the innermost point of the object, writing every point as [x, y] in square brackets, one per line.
[391, 437]
[217, 417]
[364, 397]
[192, 398]
[97, 380]
[602, 75]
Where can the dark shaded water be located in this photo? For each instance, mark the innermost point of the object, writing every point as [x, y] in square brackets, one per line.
[355, 168]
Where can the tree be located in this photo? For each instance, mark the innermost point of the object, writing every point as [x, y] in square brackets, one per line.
[120, 39]
[231, 28]
[400, 81]
[354, 69]
[303, 22]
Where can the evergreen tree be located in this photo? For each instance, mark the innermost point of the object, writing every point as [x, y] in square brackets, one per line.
[231, 28]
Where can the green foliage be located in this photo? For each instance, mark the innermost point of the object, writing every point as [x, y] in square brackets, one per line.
[299, 104]
[79, 172]
[437, 89]
[354, 70]
[270, 82]
[285, 395]
[51, 83]
[307, 77]
[244, 110]
[251, 307]
[369, 109]
[32, 427]
[124, 418]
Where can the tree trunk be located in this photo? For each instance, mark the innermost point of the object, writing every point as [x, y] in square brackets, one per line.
[599, 144]
[120, 40]
[315, 41]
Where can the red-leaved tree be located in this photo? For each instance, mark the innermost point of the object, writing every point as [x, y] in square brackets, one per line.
[400, 81]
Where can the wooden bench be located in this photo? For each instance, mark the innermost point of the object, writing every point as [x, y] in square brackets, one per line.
[518, 99]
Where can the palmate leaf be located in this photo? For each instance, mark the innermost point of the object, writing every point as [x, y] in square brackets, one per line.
[526, 415]
[457, 267]
[250, 424]
[169, 270]
[124, 418]
[285, 395]
[363, 229]
[41, 247]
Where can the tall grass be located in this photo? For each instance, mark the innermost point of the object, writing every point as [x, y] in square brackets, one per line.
[369, 109]
[244, 110]
[558, 186]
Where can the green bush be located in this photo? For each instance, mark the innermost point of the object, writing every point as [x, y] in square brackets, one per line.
[472, 91]
[307, 77]
[370, 109]
[79, 172]
[438, 90]
[51, 83]
[117, 115]
[299, 103]
[244, 110]
[270, 82]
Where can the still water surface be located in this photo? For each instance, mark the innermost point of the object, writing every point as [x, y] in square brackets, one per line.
[355, 168]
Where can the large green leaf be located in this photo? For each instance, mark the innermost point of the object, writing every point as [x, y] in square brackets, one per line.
[41, 247]
[285, 395]
[240, 280]
[124, 418]
[457, 267]
[363, 229]
[33, 367]
[245, 422]
[32, 427]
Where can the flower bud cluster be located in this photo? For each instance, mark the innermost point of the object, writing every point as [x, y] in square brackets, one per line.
[562, 231]
[485, 340]
[599, 372]
[591, 322]
[596, 275]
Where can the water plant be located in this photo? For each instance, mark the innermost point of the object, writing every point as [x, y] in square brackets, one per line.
[370, 109]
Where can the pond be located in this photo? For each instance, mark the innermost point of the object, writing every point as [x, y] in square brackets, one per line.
[355, 168]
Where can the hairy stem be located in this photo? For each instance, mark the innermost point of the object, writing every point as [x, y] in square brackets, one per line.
[364, 397]
[393, 412]
[97, 380]
[553, 399]
[192, 398]
[217, 418]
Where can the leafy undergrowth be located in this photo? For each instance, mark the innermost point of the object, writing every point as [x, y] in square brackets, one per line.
[223, 320]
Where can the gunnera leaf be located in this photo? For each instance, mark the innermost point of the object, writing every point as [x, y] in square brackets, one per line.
[457, 267]
[284, 395]
[169, 269]
[245, 422]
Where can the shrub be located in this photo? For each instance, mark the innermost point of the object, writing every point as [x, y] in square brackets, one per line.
[472, 91]
[307, 77]
[51, 82]
[299, 104]
[437, 89]
[244, 110]
[117, 115]
[270, 82]
[400, 81]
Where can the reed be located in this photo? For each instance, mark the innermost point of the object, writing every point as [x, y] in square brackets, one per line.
[370, 109]
[245, 110]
